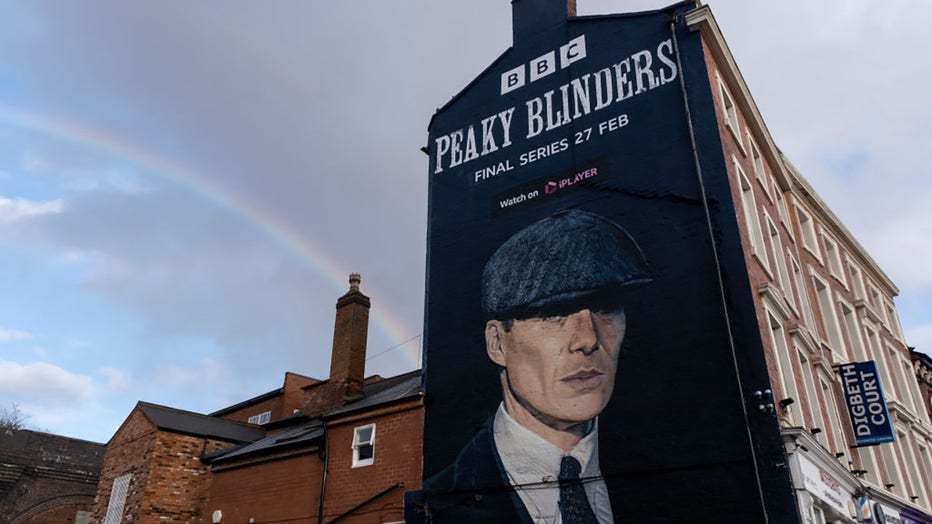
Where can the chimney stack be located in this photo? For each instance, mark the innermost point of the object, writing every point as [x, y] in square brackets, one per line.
[350, 331]
[529, 17]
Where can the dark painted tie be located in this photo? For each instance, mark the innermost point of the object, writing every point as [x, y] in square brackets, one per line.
[574, 505]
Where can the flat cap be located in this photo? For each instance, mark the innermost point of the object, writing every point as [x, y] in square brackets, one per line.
[568, 257]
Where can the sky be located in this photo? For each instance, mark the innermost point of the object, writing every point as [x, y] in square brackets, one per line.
[185, 186]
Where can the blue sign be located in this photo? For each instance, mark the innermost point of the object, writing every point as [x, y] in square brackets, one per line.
[867, 408]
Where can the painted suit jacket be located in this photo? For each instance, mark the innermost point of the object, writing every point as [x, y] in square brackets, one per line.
[474, 488]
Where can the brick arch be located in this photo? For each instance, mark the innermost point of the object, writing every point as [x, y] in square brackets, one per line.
[75, 501]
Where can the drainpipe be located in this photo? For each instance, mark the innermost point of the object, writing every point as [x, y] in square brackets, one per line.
[323, 478]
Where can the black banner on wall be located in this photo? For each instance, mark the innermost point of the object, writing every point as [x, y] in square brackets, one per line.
[574, 305]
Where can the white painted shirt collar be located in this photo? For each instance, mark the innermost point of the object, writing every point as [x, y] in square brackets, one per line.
[533, 466]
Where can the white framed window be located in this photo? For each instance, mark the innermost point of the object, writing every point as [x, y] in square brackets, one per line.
[784, 366]
[802, 293]
[892, 466]
[812, 399]
[781, 208]
[869, 462]
[893, 321]
[833, 258]
[758, 166]
[117, 499]
[908, 385]
[873, 298]
[807, 230]
[857, 281]
[829, 318]
[850, 321]
[751, 217]
[838, 431]
[925, 462]
[891, 387]
[364, 445]
[916, 488]
[261, 418]
[776, 248]
[731, 114]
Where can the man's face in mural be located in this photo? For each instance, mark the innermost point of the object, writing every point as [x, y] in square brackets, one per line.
[558, 368]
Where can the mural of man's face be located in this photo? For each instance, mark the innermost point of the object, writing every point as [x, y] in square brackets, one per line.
[559, 369]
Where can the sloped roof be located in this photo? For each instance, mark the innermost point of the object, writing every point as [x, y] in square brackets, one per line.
[298, 436]
[305, 432]
[191, 423]
[384, 391]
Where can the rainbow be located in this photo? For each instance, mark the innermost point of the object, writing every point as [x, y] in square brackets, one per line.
[314, 256]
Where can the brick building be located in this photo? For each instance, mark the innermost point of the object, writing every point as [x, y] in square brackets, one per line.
[46, 479]
[340, 449]
[821, 301]
[923, 366]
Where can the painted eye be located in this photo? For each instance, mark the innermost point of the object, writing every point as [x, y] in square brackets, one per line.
[553, 318]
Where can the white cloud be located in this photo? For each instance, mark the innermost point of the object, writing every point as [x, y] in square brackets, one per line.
[117, 379]
[43, 383]
[12, 335]
[15, 209]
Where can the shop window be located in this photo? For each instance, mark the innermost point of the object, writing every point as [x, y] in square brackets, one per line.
[364, 445]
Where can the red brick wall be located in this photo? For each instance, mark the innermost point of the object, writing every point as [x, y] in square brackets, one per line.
[286, 490]
[242, 415]
[127, 452]
[61, 515]
[169, 482]
[397, 459]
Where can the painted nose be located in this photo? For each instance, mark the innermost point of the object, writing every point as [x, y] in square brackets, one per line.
[584, 335]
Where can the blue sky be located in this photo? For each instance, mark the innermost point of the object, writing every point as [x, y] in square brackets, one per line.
[184, 188]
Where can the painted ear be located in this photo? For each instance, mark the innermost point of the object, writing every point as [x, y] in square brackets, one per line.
[493, 342]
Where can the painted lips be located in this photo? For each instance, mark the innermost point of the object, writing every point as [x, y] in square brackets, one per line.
[582, 380]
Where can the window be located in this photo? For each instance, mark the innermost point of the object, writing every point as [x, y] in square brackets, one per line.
[364, 445]
[833, 257]
[261, 418]
[802, 293]
[838, 439]
[925, 462]
[859, 291]
[912, 467]
[850, 320]
[781, 207]
[758, 162]
[776, 248]
[751, 218]
[873, 298]
[893, 322]
[829, 319]
[812, 400]
[892, 467]
[907, 369]
[807, 230]
[117, 499]
[784, 366]
[869, 463]
[731, 114]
